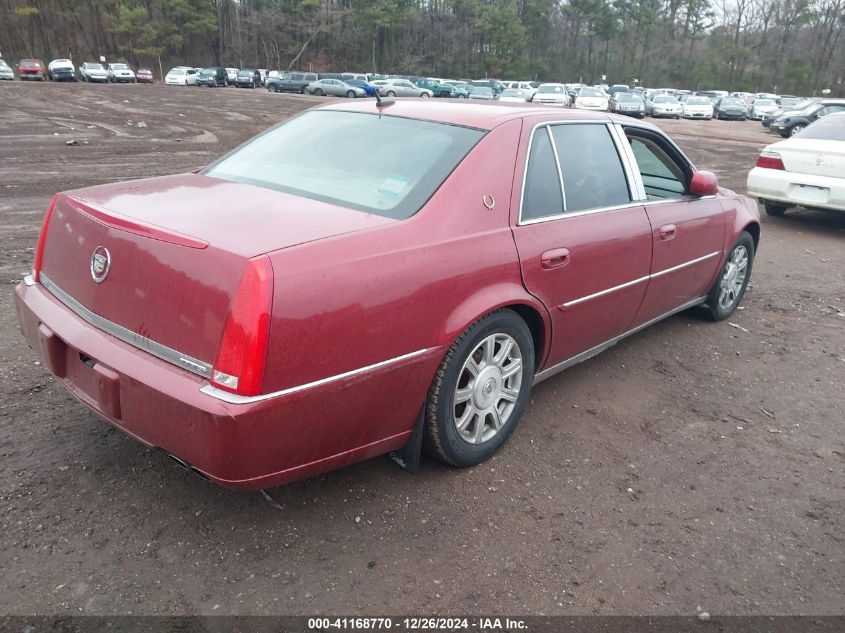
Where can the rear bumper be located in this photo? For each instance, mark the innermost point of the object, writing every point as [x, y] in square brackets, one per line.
[249, 446]
[659, 114]
[818, 192]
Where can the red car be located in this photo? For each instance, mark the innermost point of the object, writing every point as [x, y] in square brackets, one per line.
[302, 304]
[32, 69]
[145, 76]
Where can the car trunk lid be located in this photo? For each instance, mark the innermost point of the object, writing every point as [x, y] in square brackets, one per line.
[811, 156]
[177, 248]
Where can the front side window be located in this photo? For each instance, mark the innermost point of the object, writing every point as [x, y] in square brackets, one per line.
[392, 182]
[663, 177]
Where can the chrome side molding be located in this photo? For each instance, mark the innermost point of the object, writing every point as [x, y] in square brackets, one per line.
[233, 398]
[627, 284]
[598, 349]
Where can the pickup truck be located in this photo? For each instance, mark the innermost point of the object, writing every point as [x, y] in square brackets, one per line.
[439, 89]
[291, 82]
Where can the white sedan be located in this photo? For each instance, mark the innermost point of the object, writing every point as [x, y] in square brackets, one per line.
[698, 107]
[592, 99]
[807, 169]
[552, 94]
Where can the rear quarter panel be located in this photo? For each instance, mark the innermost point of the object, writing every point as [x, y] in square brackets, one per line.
[356, 300]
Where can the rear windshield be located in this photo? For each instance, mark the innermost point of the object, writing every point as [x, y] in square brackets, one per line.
[387, 179]
[829, 128]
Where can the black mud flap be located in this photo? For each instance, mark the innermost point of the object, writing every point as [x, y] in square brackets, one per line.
[408, 457]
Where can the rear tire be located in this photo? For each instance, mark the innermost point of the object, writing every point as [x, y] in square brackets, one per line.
[774, 209]
[498, 351]
[729, 288]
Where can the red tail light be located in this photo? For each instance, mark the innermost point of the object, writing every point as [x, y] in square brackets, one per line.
[42, 238]
[770, 160]
[242, 354]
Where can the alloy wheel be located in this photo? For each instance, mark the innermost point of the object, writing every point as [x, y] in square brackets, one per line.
[489, 384]
[733, 277]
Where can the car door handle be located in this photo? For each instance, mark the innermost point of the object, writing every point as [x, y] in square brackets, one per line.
[667, 232]
[555, 258]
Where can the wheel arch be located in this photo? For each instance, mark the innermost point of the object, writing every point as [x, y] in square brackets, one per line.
[510, 296]
[753, 228]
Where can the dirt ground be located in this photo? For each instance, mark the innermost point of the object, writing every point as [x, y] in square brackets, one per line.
[693, 466]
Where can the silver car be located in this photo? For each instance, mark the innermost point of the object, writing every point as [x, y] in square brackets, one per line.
[403, 88]
[334, 88]
[6, 71]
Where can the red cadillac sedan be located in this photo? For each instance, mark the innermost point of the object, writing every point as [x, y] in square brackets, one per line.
[364, 279]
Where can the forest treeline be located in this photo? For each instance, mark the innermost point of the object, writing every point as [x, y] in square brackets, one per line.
[785, 46]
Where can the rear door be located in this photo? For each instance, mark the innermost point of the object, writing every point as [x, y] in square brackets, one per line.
[688, 232]
[584, 246]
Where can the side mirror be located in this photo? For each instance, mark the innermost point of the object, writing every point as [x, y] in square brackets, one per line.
[703, 183]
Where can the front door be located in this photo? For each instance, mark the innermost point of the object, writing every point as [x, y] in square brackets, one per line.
[584, 246]
[688, 232]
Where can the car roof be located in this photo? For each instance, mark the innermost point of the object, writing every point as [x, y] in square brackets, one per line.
[479, 115]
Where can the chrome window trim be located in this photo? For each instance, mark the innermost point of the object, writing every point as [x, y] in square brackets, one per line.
[188, 363]
[559, 170]
[628, 284]
[578, 358]
[575, 214]
[233, 398]
[635, 179]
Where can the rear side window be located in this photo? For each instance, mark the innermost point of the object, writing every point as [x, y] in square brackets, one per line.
[542, 195]
[831, 128]
[295, 158]
[593, 176]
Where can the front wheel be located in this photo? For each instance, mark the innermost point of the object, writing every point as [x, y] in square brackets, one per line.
[391, 93]
[480, 390]
[350, 94]
[318, 92]
[424, 95]
[729, 288]
[796, 129]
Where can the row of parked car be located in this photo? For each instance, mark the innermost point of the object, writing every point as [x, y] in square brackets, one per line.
[783, 114]
[64, 70]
